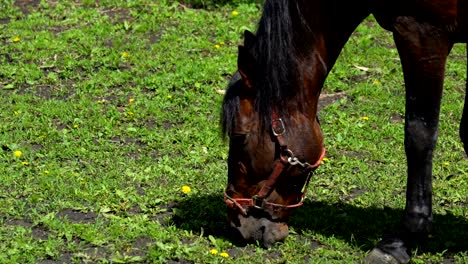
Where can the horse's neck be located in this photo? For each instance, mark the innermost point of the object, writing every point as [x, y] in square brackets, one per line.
[329, 39]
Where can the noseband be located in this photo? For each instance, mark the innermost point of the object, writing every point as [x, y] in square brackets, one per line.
[286, 159]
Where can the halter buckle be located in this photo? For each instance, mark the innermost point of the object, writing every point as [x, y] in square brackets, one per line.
[277, 126]
[257, 201]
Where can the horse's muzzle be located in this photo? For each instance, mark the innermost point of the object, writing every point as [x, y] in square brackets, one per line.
[265, 231]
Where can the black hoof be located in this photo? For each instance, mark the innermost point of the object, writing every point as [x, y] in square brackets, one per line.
[377, 256]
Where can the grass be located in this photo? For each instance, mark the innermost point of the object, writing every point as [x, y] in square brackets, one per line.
[114, 106]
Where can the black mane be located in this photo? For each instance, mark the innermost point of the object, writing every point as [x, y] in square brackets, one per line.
[278, 78]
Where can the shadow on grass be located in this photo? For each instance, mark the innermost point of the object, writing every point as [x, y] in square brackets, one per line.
[359, 226]
[365, 226]
[207, 4]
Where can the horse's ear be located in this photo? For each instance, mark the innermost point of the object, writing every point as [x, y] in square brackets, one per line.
[249, 38]
[246, 66]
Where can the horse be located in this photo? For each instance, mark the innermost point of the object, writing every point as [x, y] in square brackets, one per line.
[269, 111]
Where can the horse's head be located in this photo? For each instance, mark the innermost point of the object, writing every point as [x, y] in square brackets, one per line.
[270, 157]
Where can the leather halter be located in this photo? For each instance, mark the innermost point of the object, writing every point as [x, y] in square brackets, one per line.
[287, 158]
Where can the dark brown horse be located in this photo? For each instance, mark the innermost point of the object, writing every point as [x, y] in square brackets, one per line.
[270, 108]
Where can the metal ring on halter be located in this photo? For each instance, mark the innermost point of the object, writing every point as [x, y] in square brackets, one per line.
[258, 201]
[278, 127]
[286, 155]
[295, 161]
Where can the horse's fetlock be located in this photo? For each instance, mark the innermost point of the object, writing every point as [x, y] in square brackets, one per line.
[419, 224]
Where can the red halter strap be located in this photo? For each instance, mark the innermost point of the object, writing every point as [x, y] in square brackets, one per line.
[286, 158]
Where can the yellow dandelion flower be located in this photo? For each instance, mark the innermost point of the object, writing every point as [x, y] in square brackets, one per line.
[224, 254]
[25, 163]
[131, 100]
[75, 126]
[186, 189]
[16, 112]
[213, 252]
[376, 82]
[130, 113]
[125, 55]
[217, 46]
[325, 160]
[16, 39]
[235, 13]
[366, 118]
[169, 97]
[46, 172]
[17, 153]
[446, 163]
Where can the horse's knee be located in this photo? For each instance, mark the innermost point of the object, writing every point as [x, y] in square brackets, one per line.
[420, 136]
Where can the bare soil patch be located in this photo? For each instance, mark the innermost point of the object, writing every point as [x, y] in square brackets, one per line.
[328, 99]
[26, 6]
[39, 232]
[75, 216]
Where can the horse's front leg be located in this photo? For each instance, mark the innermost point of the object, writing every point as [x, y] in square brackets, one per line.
[423, 50]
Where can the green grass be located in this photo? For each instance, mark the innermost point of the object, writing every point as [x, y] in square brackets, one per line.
[115, 106]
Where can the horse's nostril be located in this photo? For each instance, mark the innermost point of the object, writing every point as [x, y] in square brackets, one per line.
[258, 234]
